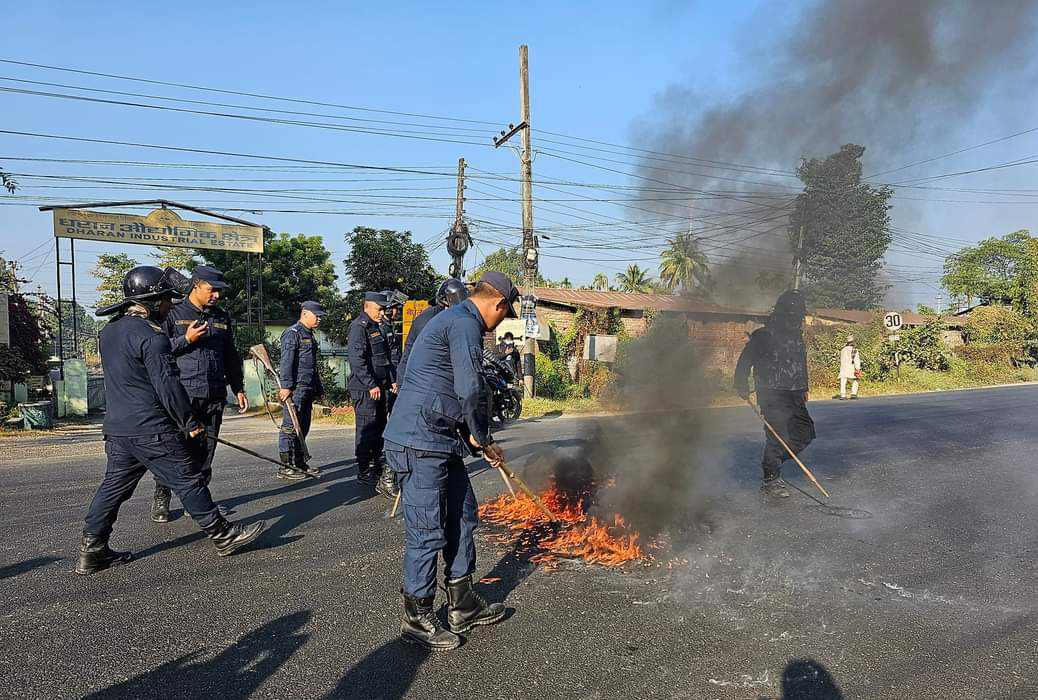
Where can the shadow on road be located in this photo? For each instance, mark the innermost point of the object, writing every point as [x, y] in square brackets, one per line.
[22, 567]
[807, 679]
[334, 492]
[235, 673]
[384, 674]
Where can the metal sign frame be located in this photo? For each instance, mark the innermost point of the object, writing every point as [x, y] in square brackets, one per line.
[162, 203]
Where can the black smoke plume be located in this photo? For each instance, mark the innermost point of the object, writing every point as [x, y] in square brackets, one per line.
[886, 74]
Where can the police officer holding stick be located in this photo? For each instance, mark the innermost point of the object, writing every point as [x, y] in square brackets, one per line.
[149, 423]
[371, 380]
[441, 415]
[301, 383]
[202, 337]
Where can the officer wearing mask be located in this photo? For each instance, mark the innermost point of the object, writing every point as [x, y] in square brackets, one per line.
[441, 415]
[778, 359]
[300, 382]
[507, 351]
[202, 337]
[148, 424]
[371, 380]
[452, 291]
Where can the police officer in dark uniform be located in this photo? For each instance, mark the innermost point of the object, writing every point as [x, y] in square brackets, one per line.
[778, 359]
[371, 379]
[452, 291]
[148, 423]
[441, 415]
[388, 325]
[300, 382]
[202, 337]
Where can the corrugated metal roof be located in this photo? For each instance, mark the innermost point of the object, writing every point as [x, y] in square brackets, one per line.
[636, 301]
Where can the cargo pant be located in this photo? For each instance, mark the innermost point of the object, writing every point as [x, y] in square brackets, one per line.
[208, 412]
[169, 459]
[371, 416]
[440, 516]
[303, 400]
[786, 411]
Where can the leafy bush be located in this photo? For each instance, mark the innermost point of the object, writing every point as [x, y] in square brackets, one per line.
[596, 380]
[825, 342]
[984, 354]
[552, 378]
[923, 345]
[1001, 326]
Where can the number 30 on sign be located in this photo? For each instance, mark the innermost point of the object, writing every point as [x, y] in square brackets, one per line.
[892, 321]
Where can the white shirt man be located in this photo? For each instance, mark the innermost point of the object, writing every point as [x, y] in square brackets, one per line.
[850, 368]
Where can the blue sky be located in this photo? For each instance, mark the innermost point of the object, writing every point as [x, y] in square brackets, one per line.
[596, 70]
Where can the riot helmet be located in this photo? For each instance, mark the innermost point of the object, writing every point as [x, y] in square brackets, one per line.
[146, 285]
[452, 291]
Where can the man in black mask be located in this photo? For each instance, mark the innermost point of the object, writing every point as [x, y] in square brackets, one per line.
[778, 358]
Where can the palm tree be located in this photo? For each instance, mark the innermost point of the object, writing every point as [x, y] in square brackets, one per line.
[683, 265]
[601, 282]
[634, 280]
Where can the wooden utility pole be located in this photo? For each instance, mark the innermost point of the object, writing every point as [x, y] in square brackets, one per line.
[458, 240]
[529, 249]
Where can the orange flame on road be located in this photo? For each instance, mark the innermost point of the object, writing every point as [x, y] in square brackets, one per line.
[581, 536]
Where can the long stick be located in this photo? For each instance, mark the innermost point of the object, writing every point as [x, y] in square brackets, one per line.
[507, 482]
[791, 453]
[396, 504]
[246, 450]
[259, 351]
[526, 489]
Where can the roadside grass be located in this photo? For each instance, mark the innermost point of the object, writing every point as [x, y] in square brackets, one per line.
[961, 375]
[539, 406]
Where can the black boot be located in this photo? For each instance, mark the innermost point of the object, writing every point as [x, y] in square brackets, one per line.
[387, 483]
[421, 626]
[467, 609]
[303, 466]
[366, 474]
[94, 555]
[230, 537]
[160, 504]
[773, 486]
[288, 471]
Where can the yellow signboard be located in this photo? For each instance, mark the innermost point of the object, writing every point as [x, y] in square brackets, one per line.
[160, 227]
[411, 311]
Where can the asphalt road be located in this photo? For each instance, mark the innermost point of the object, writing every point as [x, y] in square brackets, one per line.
[925, 587]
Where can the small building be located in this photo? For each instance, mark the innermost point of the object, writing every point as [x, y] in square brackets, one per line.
[719, 331]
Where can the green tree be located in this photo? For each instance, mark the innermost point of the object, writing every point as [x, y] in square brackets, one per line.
[386, 259]
[845, 224]
[110, 270]
[293, 269]
[508, 261]
[683, 265]
[601, 282]
[998, 325]
[183, 259]
[634, 279]
[996, 271]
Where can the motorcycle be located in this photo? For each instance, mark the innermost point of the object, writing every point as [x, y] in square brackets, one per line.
[506, 397]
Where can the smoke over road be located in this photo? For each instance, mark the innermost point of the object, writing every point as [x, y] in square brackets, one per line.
[887, 74]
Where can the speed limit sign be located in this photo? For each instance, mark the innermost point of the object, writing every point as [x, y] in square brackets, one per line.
[892, 321]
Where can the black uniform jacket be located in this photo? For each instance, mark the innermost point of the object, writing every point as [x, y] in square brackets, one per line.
[143, 393]
[212, 362]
